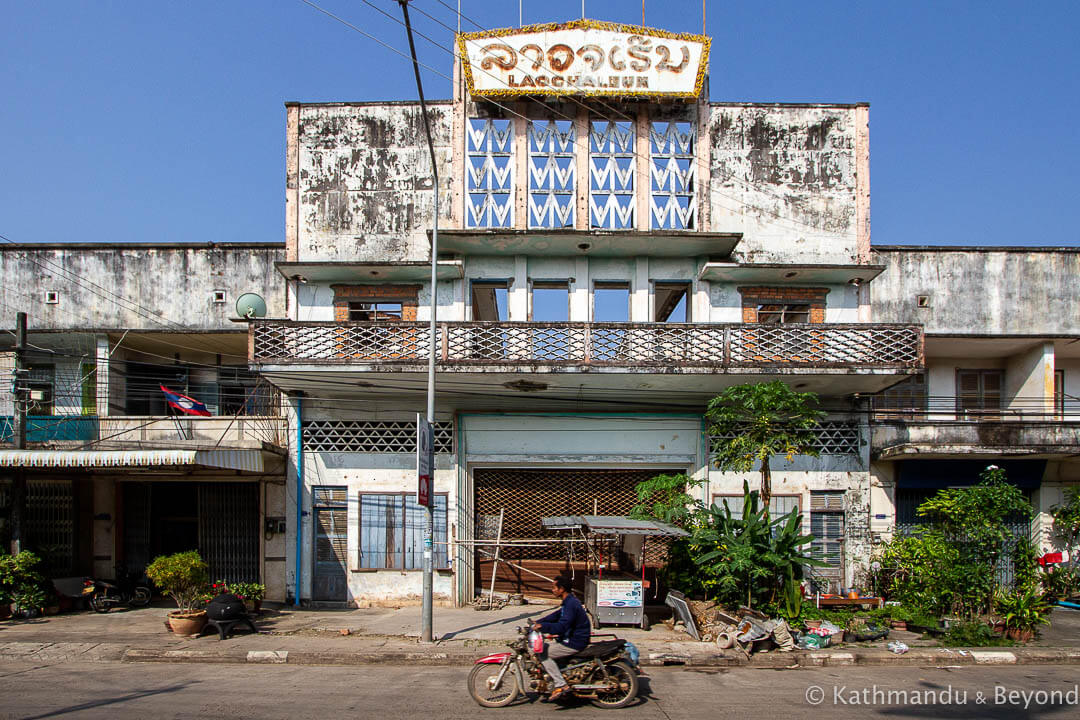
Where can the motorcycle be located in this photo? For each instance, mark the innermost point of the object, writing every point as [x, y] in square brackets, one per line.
[102, 595]
[605, 673]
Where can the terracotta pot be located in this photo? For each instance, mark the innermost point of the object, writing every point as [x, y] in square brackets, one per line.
[1020, 635]
[187, 623]
[258, 605]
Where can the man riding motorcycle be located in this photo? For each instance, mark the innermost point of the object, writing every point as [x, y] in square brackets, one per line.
[570, 626]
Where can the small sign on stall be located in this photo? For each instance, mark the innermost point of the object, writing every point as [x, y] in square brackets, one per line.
[425, 461]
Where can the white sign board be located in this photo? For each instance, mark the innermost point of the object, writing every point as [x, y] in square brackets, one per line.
[425, 461]
[584, 57]
[618, 593]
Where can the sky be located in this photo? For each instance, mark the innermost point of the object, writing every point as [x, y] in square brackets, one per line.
[165, 121]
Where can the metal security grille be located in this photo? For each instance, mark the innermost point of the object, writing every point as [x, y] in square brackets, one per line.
[609, 344]
[137, 523]
[50, 528]
[827, 527]
[612, 170]
[229, 530]
[833, 437]
[672, 176]
[331, 525]
[528, 495]
[372, 437]
[489, 173]
[551, 174]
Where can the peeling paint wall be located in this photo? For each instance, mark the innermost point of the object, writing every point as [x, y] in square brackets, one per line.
[786, 177]
[365, 180]
[973, 291]
[139, 287]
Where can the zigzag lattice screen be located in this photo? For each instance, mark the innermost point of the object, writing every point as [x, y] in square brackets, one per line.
[489, 173]
[612, 171]
[672, 176]
[551, 174]
[372, 437]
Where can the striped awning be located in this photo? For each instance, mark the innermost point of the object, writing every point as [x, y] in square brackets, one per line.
[244, 460]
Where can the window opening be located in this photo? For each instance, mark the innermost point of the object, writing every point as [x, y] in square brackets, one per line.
[611, 302]
[392, 531]
[550, 302]
[489, 301]
[783, 313]
[374, 311]
[978, 392]
[671, 302]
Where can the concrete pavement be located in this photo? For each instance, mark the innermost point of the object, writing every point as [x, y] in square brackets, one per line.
[388, 635]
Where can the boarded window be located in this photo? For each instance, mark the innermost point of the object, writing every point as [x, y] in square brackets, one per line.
[827, 527]
[392, 532]
[978, 392]
[779, 505]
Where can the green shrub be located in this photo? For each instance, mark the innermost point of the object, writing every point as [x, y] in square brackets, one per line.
[183, 577]
[973, 634]
[1023, 610]
[17, 572]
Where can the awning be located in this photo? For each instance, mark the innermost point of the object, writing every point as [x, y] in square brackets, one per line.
[612, 525]
[245, 460]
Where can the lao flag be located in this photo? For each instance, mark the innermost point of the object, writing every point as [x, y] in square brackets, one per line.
[183, 403]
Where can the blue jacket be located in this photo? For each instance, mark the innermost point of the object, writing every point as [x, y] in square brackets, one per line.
[569, 623]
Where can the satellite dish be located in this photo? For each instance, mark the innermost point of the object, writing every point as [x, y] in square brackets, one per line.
[250, 305]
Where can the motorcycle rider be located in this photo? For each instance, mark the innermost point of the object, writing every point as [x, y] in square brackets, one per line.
[570, 625]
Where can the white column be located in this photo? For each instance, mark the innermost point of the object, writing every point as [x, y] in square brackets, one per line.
[102, 373]
[579, 291]
[639, 302]
[518, 302]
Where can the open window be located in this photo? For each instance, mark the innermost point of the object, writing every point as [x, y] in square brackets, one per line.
[611, 302]
[671, 302]
[374, 311]
[489, 301]
[550, 301]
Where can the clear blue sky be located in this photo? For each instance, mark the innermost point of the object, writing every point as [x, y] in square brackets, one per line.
[163, 121]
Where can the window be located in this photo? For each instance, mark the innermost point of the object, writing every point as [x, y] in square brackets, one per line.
[978, 392]
[392, 532]
[489, 173]
[783, 313]
[40, 386]
[489, 301]
[239, 393]
[671, 302]
[779, 505]
[550, 302]
[611, 302]
[88, 377]
[374, 311]
[903, 399]
[827, 527]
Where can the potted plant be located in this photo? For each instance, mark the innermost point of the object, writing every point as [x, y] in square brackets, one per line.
[16, 573]
[29, 599]
[1022, 611]
[183, 577]
[251, 593]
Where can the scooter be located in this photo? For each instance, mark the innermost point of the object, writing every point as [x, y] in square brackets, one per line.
[102, 595]
[605, 673]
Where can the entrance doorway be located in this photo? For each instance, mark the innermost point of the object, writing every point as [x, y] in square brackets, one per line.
[525, 496]
[220, 520]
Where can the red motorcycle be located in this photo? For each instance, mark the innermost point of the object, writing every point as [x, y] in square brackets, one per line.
[605, 673]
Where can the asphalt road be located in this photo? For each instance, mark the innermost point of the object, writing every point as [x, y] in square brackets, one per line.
[114, 690]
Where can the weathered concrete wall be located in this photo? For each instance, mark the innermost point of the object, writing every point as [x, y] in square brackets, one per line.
[786, 177]
[364, 180]
[976, 291]
[138, 287]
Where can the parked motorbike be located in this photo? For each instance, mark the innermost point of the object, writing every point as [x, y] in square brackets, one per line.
[605, 673]
[102, 595]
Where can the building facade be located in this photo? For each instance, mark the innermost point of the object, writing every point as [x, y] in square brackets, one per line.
[614, 249]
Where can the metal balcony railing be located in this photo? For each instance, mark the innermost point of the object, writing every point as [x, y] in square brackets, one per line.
[884, 346]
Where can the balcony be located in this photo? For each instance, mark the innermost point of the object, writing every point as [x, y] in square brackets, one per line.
[136, 432]
[858, 358]
[1033, 436]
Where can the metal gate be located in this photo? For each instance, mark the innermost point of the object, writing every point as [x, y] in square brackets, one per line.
[50, 524]
[331, 514]
[229, 530]
[526, 495]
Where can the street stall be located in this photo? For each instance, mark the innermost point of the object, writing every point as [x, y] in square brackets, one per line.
[615, 583]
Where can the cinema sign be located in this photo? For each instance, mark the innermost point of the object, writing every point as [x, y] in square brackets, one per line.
[584, 57]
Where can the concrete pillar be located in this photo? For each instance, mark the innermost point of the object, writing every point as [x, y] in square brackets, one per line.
[1029, 381]
[579, 291]
[102, 373]
[518, 297]
[104, 537]
[640, 291]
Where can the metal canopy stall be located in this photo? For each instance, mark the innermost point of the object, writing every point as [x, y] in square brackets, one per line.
[616, 544]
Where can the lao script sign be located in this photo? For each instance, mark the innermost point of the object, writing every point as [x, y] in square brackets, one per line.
[584, 57]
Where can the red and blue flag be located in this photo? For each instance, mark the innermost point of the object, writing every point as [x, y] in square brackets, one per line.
[183, 403]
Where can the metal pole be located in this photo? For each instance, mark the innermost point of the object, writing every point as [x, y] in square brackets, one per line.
[20, 398]
[426, 634]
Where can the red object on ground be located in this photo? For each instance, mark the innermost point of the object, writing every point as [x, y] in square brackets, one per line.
[1050, 558]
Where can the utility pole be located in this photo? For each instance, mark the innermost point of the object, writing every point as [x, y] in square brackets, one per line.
[19, 403]
[426, 634]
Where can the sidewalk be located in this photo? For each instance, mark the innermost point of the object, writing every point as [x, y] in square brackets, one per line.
[389, 635]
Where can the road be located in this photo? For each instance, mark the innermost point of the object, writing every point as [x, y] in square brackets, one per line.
[226, 692]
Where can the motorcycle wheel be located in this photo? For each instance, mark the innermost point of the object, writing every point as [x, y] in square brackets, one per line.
[99, 604]
[626, 676]
[141, 598]
[481, 690]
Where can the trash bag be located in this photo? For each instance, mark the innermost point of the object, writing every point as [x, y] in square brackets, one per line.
[781, 635]
[812, 641]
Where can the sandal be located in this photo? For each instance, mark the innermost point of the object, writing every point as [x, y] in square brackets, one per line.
[558, 693]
